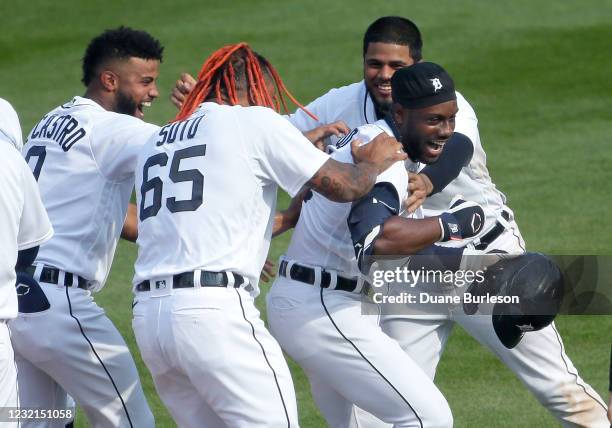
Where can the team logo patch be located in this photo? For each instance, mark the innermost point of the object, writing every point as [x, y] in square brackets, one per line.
[437, 85]
[22, 289]
[453, 227]
[160, 284]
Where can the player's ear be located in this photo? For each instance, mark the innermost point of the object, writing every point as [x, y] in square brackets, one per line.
[109, 80]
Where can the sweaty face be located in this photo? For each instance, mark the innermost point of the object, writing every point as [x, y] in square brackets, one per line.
[380, 61]
[136, 87]
[425, 131]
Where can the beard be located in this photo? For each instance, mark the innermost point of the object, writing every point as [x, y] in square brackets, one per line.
[414, 151]
[382, 108]
[125, 104]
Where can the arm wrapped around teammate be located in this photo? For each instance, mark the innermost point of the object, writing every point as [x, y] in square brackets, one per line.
[367, 216]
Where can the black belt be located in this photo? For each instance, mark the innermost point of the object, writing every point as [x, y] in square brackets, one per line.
[51, 275]
[307, 274]
[185, 280]
[493, 234]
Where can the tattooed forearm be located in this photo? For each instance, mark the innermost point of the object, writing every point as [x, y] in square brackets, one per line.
[344, 182]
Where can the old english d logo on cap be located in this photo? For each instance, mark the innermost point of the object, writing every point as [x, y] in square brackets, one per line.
[437, 85]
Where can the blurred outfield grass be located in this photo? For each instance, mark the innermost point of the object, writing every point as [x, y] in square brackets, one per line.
[537, 74]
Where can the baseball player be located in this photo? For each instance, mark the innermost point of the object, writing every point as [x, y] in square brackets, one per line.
[24, 227]
[206, 190]
[315, 306]
[558, 386]
[83, 155]
[393, 42]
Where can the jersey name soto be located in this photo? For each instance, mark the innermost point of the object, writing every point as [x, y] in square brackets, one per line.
[185, 129]
[64, 129]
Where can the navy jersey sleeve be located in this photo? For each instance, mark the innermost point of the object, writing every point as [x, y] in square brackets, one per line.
[367, 216]
[457, 153]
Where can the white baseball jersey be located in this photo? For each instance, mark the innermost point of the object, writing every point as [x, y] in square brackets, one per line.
[351, 104]
[10, 131]
[24, 222]
[83, 157]
[206, 190]
[322, 236]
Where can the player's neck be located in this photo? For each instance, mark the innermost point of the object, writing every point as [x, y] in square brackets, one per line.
[242, 101]
[96, 96]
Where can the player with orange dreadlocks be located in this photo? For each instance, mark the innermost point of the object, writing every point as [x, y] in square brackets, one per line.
[242, 72]
[236, 67]
[206, 187]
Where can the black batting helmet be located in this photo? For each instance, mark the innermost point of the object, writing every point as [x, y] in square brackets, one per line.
[536, 281]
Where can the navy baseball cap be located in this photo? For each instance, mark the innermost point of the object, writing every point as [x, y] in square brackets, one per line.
[422, 85]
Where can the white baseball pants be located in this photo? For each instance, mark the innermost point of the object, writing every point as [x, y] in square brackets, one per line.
[349, 360]
[8, 377]
[73, 347]
[539, 360]
[213, 362]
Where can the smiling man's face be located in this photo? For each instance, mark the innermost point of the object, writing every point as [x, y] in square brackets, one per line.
[137, 86]
[425, 131]
[380, 61]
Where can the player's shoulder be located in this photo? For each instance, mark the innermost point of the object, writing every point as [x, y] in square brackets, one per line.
[347, 92]
[10, 129]
[369, 131]
[11, 159]
[337, 101]
[364, 133]
[463, 105]
[6, 108]
[258, 117]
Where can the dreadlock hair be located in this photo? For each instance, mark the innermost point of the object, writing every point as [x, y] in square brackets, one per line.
[119, 43]
[235, 68]
[395, 30]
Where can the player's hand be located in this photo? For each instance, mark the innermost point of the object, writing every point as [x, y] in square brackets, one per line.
[419, 187]
[318, 135]
[463, 219]
[383, 151]
[268, 272]
[181, 89]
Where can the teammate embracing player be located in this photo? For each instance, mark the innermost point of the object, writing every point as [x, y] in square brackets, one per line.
[206, 189]
[83, 154]
[315, 306]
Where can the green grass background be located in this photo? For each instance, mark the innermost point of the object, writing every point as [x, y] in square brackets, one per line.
[536, 72]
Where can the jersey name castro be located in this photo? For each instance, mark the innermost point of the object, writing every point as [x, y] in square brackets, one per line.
[206, 190]
[83, 158]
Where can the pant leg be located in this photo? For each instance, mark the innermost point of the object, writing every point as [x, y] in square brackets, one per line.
[8, 377]
[40, 391]
[327, 334]
[541, 363]
[85, 354]
[184, 402]
[422, 337]
[215, 338]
